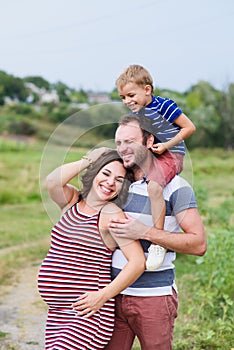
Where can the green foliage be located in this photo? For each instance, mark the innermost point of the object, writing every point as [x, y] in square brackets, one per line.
[222, 216]
[38, 81]
[12, 87]
[20, 108]
[114, 95]
[3, 334]
[207, 94]
[226, 110]
[206, 296]
[8, 145]
[22, 127]
[63, 91]
[79, 96]
[60, 113]
[205, 283]
[202, 199]
[213, 297]
[194, 100]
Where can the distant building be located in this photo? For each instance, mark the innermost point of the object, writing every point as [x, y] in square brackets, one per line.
[10, 100]
[49, 96]
[98, 97]
[44, 95]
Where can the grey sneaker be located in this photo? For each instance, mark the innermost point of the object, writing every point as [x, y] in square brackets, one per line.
[155, 257]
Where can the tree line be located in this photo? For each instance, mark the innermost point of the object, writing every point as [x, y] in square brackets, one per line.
[210, 109]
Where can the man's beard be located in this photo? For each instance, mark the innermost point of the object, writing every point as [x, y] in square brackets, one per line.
[138, 159]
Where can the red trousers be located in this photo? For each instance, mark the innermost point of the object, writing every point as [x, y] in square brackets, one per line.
[165, 167]
[151, 319]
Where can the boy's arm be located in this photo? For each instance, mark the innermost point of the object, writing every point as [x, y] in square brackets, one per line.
[187, 129]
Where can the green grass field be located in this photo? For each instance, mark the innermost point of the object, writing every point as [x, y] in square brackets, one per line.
[206, 288]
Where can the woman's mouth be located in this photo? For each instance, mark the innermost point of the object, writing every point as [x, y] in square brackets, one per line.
[105, 189]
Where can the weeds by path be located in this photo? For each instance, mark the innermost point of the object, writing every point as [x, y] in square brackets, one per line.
[22, 313]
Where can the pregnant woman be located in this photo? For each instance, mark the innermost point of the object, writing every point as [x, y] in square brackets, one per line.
[74, 278]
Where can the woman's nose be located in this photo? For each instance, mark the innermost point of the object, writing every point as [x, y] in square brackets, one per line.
[111, 180]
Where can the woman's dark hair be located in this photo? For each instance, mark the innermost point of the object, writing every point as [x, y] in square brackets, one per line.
[95, 167]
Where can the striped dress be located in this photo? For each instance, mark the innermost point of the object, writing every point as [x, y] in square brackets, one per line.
[78, 261]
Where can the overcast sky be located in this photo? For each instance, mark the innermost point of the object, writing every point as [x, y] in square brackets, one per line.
[87, 44]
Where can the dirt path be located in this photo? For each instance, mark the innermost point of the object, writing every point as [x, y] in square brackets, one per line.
[22, 313]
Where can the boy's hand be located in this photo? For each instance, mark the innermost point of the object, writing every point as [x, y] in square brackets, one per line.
[159, 148]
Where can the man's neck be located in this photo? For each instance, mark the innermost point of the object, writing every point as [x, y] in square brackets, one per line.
[142, 171]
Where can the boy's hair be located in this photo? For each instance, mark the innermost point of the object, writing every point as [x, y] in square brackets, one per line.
[106, 158]
[135, 74]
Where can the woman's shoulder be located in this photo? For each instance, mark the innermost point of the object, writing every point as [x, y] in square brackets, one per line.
[111, 210]
[76, 197]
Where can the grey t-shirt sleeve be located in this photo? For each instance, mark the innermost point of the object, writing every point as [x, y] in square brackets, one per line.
[182, 199]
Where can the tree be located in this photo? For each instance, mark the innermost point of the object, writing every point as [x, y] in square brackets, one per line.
[226, 110]
[38, 81]
[63, 91]
[202, 107]
[12, 87]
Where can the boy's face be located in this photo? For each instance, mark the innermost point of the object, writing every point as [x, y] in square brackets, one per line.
[134, 96]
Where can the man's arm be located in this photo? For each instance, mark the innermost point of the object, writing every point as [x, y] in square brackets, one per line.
[191, 241]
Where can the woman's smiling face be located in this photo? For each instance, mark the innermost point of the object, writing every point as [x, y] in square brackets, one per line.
[109, 180]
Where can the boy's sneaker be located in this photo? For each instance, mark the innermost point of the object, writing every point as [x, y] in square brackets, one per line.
[155, 257]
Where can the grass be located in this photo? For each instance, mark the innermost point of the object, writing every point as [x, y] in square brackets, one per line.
[206, 315]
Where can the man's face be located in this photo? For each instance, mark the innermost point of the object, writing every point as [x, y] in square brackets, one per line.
[129, 143]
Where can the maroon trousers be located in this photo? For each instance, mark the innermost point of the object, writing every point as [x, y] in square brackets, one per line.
[151, 319]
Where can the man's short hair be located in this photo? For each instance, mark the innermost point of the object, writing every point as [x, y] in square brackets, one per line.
[143, 122]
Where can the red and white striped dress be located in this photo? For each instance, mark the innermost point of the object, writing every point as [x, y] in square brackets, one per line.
[78, 261]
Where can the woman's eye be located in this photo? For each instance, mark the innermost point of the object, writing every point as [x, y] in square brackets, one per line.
[120, 180]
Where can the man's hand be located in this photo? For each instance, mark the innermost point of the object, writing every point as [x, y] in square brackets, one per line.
[89, 303]
[128, 228]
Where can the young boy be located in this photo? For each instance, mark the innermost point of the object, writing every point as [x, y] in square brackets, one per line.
[170, 127]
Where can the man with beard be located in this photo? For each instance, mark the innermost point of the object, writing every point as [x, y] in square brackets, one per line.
[148, 308]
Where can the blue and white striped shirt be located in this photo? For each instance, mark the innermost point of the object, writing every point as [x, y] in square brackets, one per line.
[178, 195]
[162, 113]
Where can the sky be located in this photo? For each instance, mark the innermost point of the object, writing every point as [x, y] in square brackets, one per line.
[87, 44]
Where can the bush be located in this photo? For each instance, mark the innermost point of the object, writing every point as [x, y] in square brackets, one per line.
[20, 108]
[22, 127]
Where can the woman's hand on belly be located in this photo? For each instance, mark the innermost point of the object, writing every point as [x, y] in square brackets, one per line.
[89, 303]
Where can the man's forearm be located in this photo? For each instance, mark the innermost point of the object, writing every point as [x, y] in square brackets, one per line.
[186, 243]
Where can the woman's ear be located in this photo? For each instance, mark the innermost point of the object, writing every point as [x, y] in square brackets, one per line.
[150, 141]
